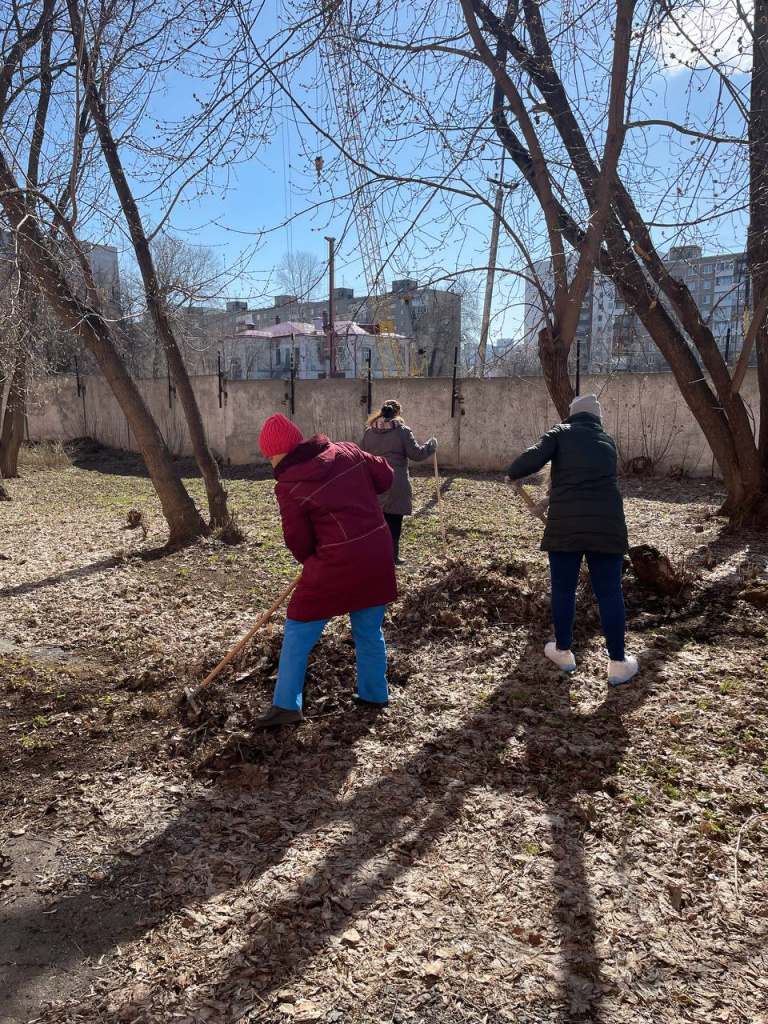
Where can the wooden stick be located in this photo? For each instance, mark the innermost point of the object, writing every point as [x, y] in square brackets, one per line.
[440, 506]
[526, 498]
[190, 693]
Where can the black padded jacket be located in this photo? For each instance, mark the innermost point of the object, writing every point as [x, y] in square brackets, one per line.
[586, 512]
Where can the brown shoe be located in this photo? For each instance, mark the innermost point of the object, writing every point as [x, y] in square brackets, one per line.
[277, 716]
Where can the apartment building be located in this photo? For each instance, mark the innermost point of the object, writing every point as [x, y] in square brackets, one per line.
[612, 336]
[719, 286]
[595, 325]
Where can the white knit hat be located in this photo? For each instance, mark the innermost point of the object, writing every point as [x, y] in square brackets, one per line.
[586, 403]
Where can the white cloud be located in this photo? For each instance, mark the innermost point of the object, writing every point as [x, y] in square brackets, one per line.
[703, 31]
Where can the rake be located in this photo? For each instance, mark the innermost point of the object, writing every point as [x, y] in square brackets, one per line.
[191, 693]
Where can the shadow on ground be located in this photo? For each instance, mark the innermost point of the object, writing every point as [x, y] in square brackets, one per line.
[565, 757]
[524, 739]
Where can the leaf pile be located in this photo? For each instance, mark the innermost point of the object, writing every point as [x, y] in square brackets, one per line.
[470, 596]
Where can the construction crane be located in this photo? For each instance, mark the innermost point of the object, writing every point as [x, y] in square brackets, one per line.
[337, 59]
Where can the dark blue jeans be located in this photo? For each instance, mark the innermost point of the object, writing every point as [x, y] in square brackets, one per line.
[605, 575]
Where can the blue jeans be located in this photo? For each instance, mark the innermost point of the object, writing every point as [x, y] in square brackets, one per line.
[605, 575]
[370, 657]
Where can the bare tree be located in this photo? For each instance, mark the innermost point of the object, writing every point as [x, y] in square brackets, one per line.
[39, 258]
[189, 279]
[575, 98]
[300, 274]
[23, 305]
[97, 107]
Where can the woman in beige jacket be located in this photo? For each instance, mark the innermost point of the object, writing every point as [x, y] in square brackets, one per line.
[387, 435]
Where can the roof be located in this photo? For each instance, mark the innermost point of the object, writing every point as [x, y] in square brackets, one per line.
[281, 330]
[344, 329]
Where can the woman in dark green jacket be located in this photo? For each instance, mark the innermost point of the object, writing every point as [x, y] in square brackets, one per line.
[585, 519]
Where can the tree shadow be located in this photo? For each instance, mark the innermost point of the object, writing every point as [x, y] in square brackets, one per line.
[111, 562]
[692, 491]
[555, 771]
[142, 889]
[116, 462]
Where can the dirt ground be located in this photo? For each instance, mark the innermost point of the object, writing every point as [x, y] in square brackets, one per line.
[503, 844]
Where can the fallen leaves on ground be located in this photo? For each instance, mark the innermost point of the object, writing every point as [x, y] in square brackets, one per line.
[504, 843]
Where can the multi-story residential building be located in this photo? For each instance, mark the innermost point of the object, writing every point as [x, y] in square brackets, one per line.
[719, 286]
[101, 258]
[595, 326]
[106, 272]
[612, 336]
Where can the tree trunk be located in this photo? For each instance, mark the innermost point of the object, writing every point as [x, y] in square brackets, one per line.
[13, 421]
[217, 496]
[89, 325]
[553, 354]
[757, 234]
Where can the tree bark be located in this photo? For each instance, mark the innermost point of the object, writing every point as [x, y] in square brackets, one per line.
[757, 234]
[217, 496]
[553, 355]
[89, 325]
[13, 421]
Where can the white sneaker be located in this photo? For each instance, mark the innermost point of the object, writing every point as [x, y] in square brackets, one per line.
[563, 659]
[622, 671]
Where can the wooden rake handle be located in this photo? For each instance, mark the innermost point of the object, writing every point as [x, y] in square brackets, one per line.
[526, 497]
[241, 644]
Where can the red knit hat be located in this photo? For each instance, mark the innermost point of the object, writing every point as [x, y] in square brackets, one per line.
[279, 436]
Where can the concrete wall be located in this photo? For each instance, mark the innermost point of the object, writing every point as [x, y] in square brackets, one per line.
[494, 418]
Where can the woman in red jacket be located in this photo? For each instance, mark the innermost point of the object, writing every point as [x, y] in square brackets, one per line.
[333, 525]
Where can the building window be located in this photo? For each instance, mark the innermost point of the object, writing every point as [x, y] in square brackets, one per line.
[279, 357]
[722, 281]
[708, 268]
[725, 265]
[706, 300]
[707, 285]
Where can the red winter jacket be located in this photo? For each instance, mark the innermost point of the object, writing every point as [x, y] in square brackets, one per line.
[333, 525]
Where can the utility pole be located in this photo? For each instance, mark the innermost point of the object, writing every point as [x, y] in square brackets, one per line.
[331, 301]
[492, 255]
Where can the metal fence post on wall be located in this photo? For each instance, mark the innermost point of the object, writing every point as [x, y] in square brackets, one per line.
[370, 388]
[81, 395]
[454, 392]
[171, 387]
[222, 375]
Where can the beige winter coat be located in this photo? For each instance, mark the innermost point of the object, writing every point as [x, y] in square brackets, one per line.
[395, 441]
